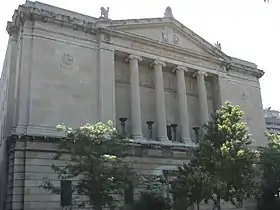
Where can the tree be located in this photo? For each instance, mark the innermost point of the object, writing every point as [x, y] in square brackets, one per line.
[95, 160]
[224, 159]
[153, 197]
[191, 186]
[270, 165]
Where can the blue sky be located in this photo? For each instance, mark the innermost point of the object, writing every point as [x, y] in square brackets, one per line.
[247, 29]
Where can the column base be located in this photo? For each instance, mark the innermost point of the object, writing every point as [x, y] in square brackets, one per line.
[187, 141]
[163, 139]
[137, 137]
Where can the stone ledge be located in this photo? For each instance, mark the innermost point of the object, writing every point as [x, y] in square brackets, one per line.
[162, 144]
[139, 148]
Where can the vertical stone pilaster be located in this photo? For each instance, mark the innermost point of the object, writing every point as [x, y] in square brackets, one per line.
[106, 86]
[24, 69]
[11, 104]
[223, 87]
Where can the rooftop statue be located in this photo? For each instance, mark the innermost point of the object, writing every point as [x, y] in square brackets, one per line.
[218, 45]
[104, 12]
[168, 12]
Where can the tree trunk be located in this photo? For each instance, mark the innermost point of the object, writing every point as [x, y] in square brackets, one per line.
[197, 205]
[219, 204]
[98, 207]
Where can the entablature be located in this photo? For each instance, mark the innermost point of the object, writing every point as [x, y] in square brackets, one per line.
[109, 31]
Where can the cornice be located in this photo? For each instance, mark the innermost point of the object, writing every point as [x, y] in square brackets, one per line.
[247, 69]
[150, 42]
[225, 65]
[24, 13]
[224, 60]
[142, 144]
[32, 13]
[136, 23]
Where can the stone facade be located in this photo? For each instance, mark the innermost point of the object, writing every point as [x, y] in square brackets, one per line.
[272, 120]
[65, 67]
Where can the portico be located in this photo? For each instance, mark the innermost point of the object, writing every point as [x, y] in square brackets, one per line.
[180, 75]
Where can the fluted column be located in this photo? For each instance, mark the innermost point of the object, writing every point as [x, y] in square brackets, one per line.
[202, 94]
[183, 105]
[135, 101]
[160, 101]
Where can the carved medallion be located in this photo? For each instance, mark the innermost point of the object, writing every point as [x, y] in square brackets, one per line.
[66, 60]
[169, 37]
[244, 96]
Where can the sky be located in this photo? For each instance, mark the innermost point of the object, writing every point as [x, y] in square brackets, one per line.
[246, 29]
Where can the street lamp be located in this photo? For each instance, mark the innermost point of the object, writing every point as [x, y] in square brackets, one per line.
[123, 120]
[150, 129]
[196, 129]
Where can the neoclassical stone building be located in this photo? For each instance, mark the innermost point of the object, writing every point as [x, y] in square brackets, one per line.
[155, 73]
[272, 120]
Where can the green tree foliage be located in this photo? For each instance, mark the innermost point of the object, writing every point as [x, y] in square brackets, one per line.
[192, 185]
[225, 162]
[270, 164]
[153, 197]
[95, 160]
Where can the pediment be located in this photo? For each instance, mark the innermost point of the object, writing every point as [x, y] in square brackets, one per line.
[170, 33]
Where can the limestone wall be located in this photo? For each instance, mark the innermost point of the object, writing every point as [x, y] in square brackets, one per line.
[37, 161]
[62, 85]
[24, 182]
[244, 90]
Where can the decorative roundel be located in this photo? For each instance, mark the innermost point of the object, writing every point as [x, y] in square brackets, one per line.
[244, 96]
[67, 60]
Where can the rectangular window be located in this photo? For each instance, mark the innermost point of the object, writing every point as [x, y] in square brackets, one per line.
[65, 192]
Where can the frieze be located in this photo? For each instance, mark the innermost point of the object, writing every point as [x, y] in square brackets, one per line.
[191, 59]
[32, 13]
[171, 55]
[90, 25]
[161, 52]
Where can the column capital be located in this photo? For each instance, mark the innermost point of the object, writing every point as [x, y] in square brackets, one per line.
[203, 73]
[133, 57]
[180, 68]
[157, 62]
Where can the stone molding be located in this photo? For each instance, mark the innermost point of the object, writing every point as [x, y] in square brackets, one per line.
[31, 12]
[25, 13]
[142, 145]
[35, 130]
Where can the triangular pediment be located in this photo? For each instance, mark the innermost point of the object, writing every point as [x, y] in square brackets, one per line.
[170, 32]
